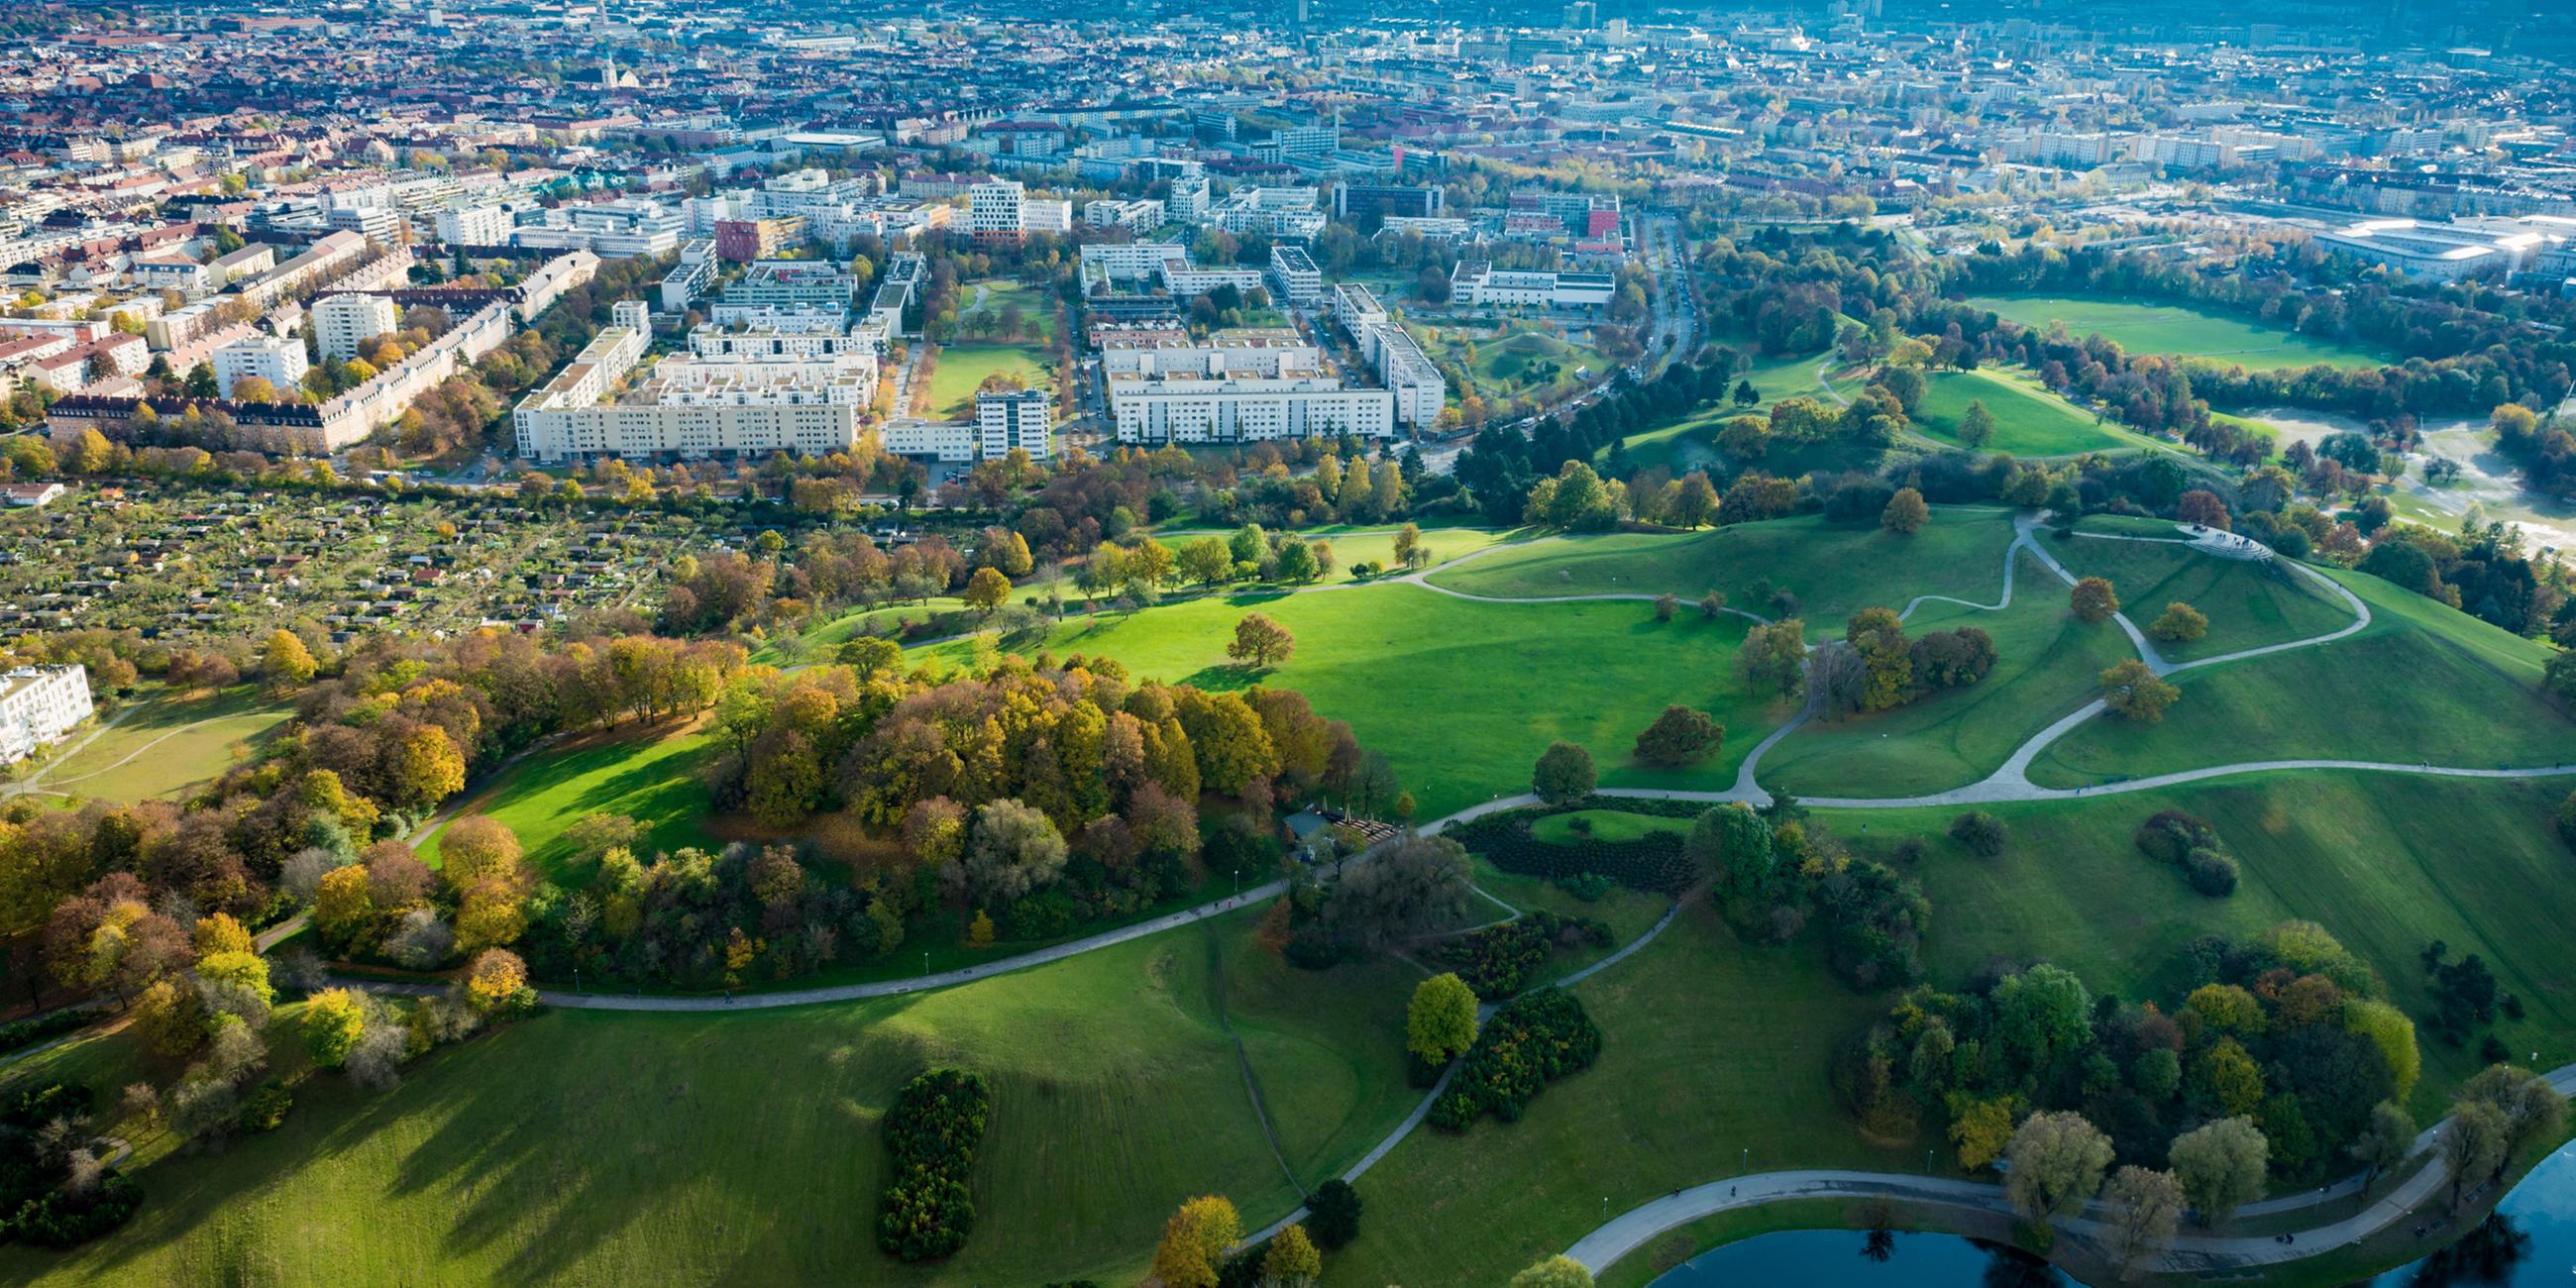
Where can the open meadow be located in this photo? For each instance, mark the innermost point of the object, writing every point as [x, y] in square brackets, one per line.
[2141, 327]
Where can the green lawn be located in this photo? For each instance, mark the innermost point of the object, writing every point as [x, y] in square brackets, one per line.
[1835, 569]
[2140, 327]
[1603, 825]
[2422, 683]
[601, 1148]
[167, 743]
[1462, 695]
[2045, 666]
[962, 368]
[1522, 362]
[2248, 604]
[2028, 421]
[1001, 293]
[1367, 543]
[651, 779]
[1690, 443]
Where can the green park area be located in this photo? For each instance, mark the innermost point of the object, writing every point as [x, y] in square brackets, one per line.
[1519, 361]
[1690, 443]
[2028, 420]
[162, 744]
[649, 775]
[960, 369]
[999, 299]
[2141, 327]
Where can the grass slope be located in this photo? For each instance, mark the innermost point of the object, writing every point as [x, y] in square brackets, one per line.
[2170, 328]
[614, 1149]
[2028, 421]
[1462, 696]
[1835, 569]
[653, 780]
[168, 743]
[1690, 443]
[2422, 683]
[2248, 604]
[2046, 664]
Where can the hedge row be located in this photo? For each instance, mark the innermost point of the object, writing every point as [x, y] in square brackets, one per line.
[37, 1028]
[1655, 863]
[1533, 1040]
[1501, 960]
[931, 1134]
[61, 1219]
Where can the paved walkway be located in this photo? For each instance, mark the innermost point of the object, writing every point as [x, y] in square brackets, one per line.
[2190, 1253]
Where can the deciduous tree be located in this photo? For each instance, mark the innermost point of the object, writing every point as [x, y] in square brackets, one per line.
[2093, 599]
[2220, 1166]
[1195, 1242]
[1261, 641]
[1680, 736]
[1440, 1022]
[2133, 691]
[2146, 1206]
[1905, 513]
[2055, 1164]
[2180, 624]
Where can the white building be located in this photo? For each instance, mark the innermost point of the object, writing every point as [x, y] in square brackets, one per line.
[280, 362]
[343, 322]
[38, 705]
[1242, 351]
[1039, 216]
[1419, 389]
[1245, 409]
[1189, 198]
[1300, 282]
[475, 226]
[692, 406]
[994, 209]
[1022, 419]
[1141, 216]
[1479, 282]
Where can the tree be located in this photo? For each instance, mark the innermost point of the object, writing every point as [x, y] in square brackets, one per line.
[2180, 624]
[333, 1021]
[2043, 1014]
[868, 655]
[1333, 1213]
[1207, 561]
[2055, 1164]
[1905, 513]
[1877, 638]
[2221, 1167]
[1016, 849]
[286, 662]
[1680, 736]
[1564, 773]
[1420, 884]
[1976, 425]
[1291, 1261]
[2133, 691]
[1774, 656]
[1195, 1241]
[497, 981]
[1559, 1271]
[427, 768]
[2093, 600]
[2202, 506]
[1440, 1021]
[986, 590]
[1409, 550]
[1261, 641]
[1732, 842]
[342, 905]
[2473, 1145]
[2531, 1109]
[2385, 1143]
[2146, 1206]
[1296, 561]
[478, 848]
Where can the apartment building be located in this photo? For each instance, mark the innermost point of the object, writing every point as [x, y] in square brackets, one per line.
[1245, 409]
[1011, 420]
[343, 322]
[38, 705]
[994, 208]
[789, 283]
[1138, 216]
[1479, 282]
[1300, 283]
[694, 406]
[279, 361]
[475, 225]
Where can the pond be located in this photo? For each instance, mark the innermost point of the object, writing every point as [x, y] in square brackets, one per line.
[2530, 1240]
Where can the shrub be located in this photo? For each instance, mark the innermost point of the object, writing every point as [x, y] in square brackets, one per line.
[1499, 961]
[1655, 863]
[60, 1219]
[1909, 851]
[2191, 844]
[2210, 872]
[1981, 832]
[1680, 736]
[1587, 886]
[265, 1109]
[1532, 1041]
[37, 1028]
[931, 1135]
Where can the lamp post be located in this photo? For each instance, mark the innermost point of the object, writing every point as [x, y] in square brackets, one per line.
[925, 963]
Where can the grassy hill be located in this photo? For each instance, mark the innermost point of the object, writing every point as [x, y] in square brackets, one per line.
[2028, 421]
[2248, 604]
[2140, 327]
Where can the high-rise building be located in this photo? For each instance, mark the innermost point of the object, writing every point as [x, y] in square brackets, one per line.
[278, 361]
[343, 322]
[1020, 418]
[993, 208]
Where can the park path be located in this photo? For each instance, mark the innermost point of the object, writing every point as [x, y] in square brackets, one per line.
[2189, 1253]
[29, 785]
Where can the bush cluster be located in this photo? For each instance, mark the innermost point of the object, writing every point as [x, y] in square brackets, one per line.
[41, 1199]
[37, 1028]
[1501, 960]
[931, 1134]
[2192, 845]
[1532, 1041]
[1653, 863]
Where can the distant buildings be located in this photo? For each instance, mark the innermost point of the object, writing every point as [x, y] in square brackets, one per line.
[1479, 282]
[38, 705]
[752, 392]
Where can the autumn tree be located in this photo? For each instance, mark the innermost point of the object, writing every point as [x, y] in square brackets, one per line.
[2133, 691]
[1408, 547]
[1207, 561]
[987, 590]
[425, 768]
[496, 981]
[1774, 656]
[1195, 1242]
[2055, 1164]
[1016, 849]
[333, 1021]
[868, 655]
[1559, 1271]
[2180, 624]
[2146, 1206]
[1905, 513]
[1680, 736]
[2093, 599]
[2220, 1167]
[1564, 773]
[1261, 641]
[1440, 1021]
[286, 662]
[478, 848]
[1976, 425]
[1291, 1260]
[1877, 637]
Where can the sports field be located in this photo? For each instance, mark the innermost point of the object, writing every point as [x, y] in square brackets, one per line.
[2142, 327]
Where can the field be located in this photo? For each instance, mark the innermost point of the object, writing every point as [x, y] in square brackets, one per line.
[587, 1148]
[1518, 362]
[1505, 679]
[650, 779]
[2423, 683]
[962, 368]
[165, 744]
[1691, 442]
[2171, 328]
[1835, 570]
[2028, 421]
[994, 295]
[2248, 604]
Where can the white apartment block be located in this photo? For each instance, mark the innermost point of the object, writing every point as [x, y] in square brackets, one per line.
[1356, 307]
[343, 322]
[1129, 261]
[1022, 419]
[1140, 216]
[1038, 216]
[475, 226]
[1183, 280]
[1301, 284]
[280, 362]
[1420, 390]
[38, 705]
[693, 406]
[1189, 198]
[1242, 351]
[1479, 282]
[1245, 409]
[995, 209]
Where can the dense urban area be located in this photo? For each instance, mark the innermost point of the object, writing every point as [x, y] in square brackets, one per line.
[1506, 644]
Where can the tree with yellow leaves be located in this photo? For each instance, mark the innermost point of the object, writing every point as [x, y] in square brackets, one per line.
[1195, 1242]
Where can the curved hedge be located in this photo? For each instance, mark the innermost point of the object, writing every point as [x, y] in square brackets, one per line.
[1500, 960]
[1533, 1040]
[931, 1135]
[1655, 863]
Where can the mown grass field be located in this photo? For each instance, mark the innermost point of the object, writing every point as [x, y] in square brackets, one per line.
[649, 776]
[1835, 569]
[607, 1149]
[2046, 664]
[2028, 421]
[1462, 696]
[2422, 684]
[2140, 327]
[2248, 604]
[1002, 293]
[168, 743]
[962, 368]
